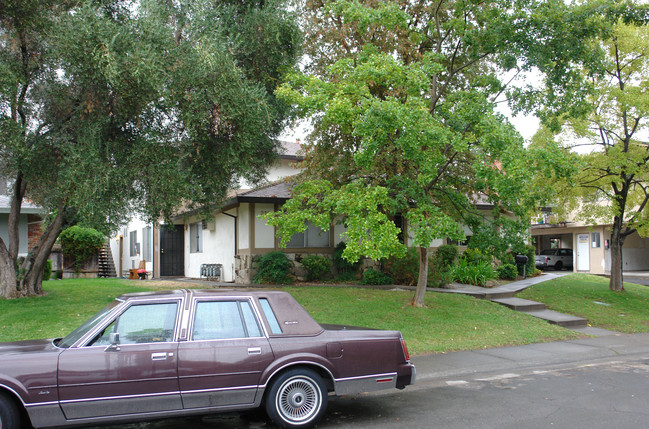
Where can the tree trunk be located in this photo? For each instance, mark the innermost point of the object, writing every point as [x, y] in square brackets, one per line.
[29, 279]
[422, 281]
[8, 284]
[616, 282]
[32, 281]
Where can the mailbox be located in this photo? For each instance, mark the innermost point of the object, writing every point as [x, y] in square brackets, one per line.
[521, 259]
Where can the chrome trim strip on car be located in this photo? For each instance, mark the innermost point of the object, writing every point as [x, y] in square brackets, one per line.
[220, 389]
[221, 374]
[293, 363]
[41, 404]
[366, 383]
[109, 398]
[121, 308]
[197, 299]
[364, 377]
[14, 392]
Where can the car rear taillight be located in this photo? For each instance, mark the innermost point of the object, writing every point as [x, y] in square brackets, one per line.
[405, 350]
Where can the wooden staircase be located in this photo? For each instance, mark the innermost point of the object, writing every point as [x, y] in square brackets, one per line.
[105, 262]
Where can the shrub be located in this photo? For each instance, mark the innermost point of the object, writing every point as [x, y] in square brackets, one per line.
[446, 255]
[47, 270]
[405, 270]
[316, 266]
[81, 243]
[475, 257]
[507, 272]
[346, 277]
[473, 274]
[274, 267]
[341, 264]
[439, 277]
[373, 277]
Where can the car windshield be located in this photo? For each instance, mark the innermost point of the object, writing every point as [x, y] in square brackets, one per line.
[549, 252]
[89, 324]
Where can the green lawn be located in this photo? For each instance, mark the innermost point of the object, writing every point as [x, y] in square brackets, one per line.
[449, 323]
[68, 303]
[588, 296]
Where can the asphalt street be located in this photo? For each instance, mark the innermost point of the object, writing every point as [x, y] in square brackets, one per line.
[589, 383]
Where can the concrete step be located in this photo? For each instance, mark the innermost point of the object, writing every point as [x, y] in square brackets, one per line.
[497, 295]
[520, 304]
[556, 318]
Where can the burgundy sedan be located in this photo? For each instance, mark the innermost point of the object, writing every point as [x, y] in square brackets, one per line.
[174, 353]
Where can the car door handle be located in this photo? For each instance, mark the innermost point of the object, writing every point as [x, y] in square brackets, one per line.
[160, 356]
[254, 350]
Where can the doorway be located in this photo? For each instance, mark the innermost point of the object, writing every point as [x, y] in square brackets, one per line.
[583, 252]
[172, 251]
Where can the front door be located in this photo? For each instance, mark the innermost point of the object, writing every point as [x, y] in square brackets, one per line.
[583, 252]
[172, 250]
[139, 375]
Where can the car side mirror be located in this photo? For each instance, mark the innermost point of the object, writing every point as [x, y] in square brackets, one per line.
[113, 338]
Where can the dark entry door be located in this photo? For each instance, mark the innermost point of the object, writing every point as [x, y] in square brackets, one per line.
[172, 251]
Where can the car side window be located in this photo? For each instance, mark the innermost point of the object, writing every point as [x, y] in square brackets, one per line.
[220, 320]
[270, 316]
[143, 323]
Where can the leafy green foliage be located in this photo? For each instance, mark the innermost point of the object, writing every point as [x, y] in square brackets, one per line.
[81, 243]
[318, 267]
[374, 277]
[404, 270]
[446, 255]
[475, 256]
[611, 116]
[47, 271]
[113, 107]
[274, 268]
[507, 272]
[342, 265]
[404, 99]
[473, 274]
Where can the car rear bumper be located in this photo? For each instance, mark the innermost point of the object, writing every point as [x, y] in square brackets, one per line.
[407, 377]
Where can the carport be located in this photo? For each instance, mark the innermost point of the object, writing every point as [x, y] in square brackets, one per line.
[554, 241]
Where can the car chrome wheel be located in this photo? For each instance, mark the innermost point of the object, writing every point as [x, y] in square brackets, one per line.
[297, 399]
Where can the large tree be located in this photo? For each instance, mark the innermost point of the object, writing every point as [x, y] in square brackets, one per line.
[610, 127]
[403, 96]
[111, 106]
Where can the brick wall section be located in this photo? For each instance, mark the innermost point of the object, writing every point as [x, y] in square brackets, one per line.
[34, 231]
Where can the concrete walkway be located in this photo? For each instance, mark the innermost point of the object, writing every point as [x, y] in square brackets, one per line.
[504, 295]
